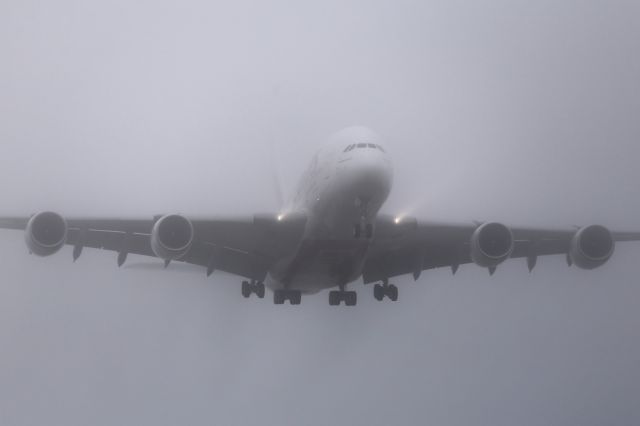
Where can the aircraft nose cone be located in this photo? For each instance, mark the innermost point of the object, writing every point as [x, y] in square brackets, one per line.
[372, 175]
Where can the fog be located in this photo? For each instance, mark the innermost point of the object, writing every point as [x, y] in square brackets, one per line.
[522, 112]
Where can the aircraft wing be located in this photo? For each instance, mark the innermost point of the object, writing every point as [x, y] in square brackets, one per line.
[241, 246]
[409, 247]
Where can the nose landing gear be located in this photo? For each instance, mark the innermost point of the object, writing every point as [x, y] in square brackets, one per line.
[361, 230]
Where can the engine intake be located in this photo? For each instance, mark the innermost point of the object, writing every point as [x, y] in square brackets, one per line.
[46, 233]
[172, 237]
[591, 247]
[491, 244]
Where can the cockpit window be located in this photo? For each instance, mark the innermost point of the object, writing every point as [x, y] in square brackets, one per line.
[363, 145]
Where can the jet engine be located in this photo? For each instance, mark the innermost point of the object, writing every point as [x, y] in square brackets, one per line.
[491, 244]
[171, 237]
[46, 233]
[591, 247]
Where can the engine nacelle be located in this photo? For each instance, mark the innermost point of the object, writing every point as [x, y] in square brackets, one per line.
[591, 247]
[46, 233]
[491, 244]
[171, 237]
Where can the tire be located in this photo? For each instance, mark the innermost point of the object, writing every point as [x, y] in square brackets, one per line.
[334, 298]
[246, 289]
[393, 292]
[378, 292]
[260, 290]
[351, 298]
[295, 297]
[278, 297]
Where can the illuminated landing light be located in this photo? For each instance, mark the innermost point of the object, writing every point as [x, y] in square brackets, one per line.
[397, 220]
[280, 217]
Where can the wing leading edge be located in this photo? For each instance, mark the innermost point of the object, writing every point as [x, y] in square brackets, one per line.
[241, 246]
[409, 247]
[248, 247]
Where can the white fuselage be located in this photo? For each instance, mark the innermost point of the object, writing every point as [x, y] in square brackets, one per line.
[341, 193]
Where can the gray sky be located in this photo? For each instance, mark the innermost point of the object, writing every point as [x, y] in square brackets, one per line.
[524, 112]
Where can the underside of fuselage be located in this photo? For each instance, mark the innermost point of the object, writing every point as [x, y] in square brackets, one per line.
[320, 264]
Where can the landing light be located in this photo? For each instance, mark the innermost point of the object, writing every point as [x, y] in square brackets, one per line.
[397, 220]
[280, 217]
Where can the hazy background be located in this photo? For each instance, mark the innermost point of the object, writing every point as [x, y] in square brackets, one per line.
[519, 111]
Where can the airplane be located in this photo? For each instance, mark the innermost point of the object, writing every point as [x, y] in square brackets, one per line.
[327, 236]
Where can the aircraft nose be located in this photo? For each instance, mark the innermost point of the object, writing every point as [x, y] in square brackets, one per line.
[372, 175]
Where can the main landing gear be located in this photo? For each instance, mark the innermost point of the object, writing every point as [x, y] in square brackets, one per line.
[385, 289]
[248, 288]
[350, 298]
[293, 296]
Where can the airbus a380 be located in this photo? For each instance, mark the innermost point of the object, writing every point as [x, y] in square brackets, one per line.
[329, 234]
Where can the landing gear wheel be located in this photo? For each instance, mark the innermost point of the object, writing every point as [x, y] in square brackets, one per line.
[350, 298]
[388, 290]
[246, 289]
[392, 292]
[260, 290]
[336, 297]
[254, 286]
[293, 296]
[278, 297]
[378, 292]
